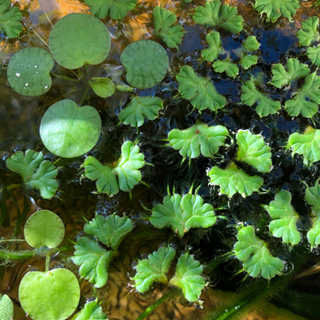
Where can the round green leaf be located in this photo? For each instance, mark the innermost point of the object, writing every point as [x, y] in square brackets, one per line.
[29, 71]
[68, 130]
[146, 63]
[79, 39]
[44, 228]
[102, 87]
[52, 295]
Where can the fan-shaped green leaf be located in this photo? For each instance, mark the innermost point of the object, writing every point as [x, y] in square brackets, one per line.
[164, 28]
[6, 307]
[313, 54]
[93, 261]
[253, 151]
[265, 105]
[78, 39]
[68, 130]
[251, 44]
[214, 42]
[255, 256]
[199, 90]
[10, 19]
[146, 63]
[309, 31]
[91, 311]
[211, 16]
[140, 108]
[110, 231]
[102, 87]
[232, 180]
[226, 66]
[198, 139]
[284, 218]
[247, 61]
[35, 171]
[29, 71]
[153, 269]
[189, 277]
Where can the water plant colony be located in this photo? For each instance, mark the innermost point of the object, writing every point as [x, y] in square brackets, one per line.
[181, 168]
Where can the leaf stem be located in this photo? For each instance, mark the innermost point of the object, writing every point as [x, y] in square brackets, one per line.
[45, 13]
[48, 256]
[63, 77]
[17, 255]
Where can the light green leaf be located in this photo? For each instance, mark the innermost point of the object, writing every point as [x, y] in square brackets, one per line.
[183, 213]
[35, 171]
[214, 42]
[153, 269]
[10, 19]
[309, 31]
[102, 87]
[91, 311]
[164, 28]
[247, 61]
[284, 223]
[307, 99]
[110, 231]
[265, 105]
[211, 16]
[313, 54]
[232, 180]
[313, 234]
[226, 66]
[140, 108]
[251, 44]
[93, 261]
[6, 307]
[189, 277]
[255, 256]
[306, 144]
[295, 69]
[199, 90]
[253, 150]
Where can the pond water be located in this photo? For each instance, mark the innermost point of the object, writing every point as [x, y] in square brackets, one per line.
[77, 202]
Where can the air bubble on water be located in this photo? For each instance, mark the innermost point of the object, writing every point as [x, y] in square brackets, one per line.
[18, 74]
[26, 84]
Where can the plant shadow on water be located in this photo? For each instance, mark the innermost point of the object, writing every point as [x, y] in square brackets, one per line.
[163, 154]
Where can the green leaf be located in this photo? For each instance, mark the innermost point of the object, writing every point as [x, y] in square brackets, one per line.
[309, 31]
[306, 144]
[153, 269]
[6, 307]
[140, 108]
[307, 98]
[247, 61]
[199, 90]
[35, 171]
[146, 63]
[93, 261]
[79, 39]
[277, 8]
[214, 42]
[253, 150]
[189, 277]
[29, 71]
[91, 311]
[105, 176]
[265, 105]
[313, 54]
[164, 28]
[282, 77]
[110, 231]
[116, 9]
[211, 16]
[102, 87]
[130, 162]
[226, 66]
[198, 139]
[251, 44]
[255, 256]
[183, 213]
[284, 223]
[10, 19]
[232, 180]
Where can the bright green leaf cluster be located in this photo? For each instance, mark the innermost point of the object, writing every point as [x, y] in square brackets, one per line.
[215, 48]
[309, 31]
[91, 311]
[10, 19]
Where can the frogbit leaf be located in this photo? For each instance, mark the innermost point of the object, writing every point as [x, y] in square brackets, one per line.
[153, 269]
[232, 180]
[214, 42]
[247, 61]
[313, 54]
[110, 231]
[253, 150]
[6, 307]
[255, 256]
[140, 108]
[164, 28]
[295, 69]
[309, 31]
[265, 105]
[306, 144]
[211, 16]
[284, 223]
[199, 90]
[91, 311]
[93, 261]
[10, 19]
[102, 87]
[189, 277]
[226, 66]
[35, 171]
[198, 139]
[183, 213]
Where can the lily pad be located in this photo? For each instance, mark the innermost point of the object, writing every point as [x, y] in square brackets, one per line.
[10, 19]
[102, 87]
[29, 71]
[44, 228]
[146, 63]
[68, 130]
[6, 308]
[78, 39]
[45, 295]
